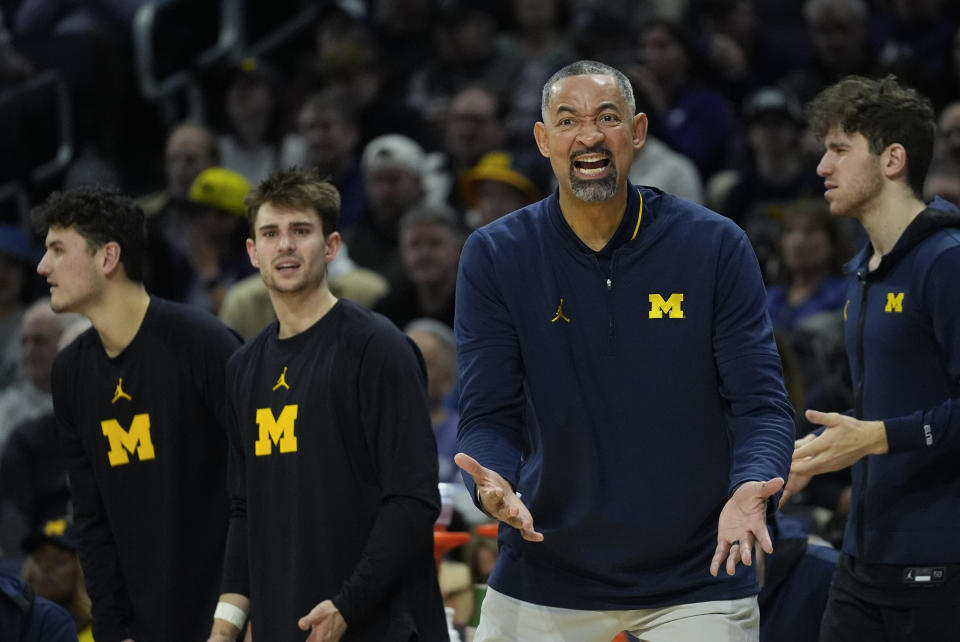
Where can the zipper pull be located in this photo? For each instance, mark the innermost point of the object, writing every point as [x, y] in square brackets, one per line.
[609, 284]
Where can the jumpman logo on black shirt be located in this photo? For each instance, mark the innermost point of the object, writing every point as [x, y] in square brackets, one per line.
[119, 393]
[560, 315]
[282, 381]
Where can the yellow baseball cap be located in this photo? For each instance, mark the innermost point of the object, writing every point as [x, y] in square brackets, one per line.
[500, 166]
[221, 188]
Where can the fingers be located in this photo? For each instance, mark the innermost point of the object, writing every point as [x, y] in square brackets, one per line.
[787, 494]
[771, 487]
[498, 499]
[811, 449]
[531, 535]
[803, 441]
[468, 464]
[823, 418]
[766, 542]
[315, 616]
[729, 554]
[517, 515]
[723, 548]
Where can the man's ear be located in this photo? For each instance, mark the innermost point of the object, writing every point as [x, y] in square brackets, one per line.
[333, 243]
[252, 253]
[543, 141]
[111, 258]
[640, 125]
[894, 161]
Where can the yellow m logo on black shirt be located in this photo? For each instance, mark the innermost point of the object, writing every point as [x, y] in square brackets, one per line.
[894, 302]
[277, 431]
[671, 306]
[125, 442]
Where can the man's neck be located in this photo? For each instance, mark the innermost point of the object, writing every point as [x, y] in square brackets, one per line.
[118, 315]
[298, 311]
[594, 223]
[886, 220]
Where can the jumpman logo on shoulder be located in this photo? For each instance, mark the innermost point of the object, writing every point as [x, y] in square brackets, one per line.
[282, 381]
[560, 315]
[119, 394]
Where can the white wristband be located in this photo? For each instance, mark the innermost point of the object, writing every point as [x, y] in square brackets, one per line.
[230, 613]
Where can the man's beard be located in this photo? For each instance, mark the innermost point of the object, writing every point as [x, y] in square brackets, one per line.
[594, 191]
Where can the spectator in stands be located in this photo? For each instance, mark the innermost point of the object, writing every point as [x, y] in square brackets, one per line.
[813, 250]
[53, 569]
[17, 257]
[30, 396]
[430, 241]
[838, 33]
[775, 174]
[33, 474]
[948, 133]
[211, 235]
[439, 350]
[539, 43]
[473, 126]
[466, 54]
[355, 67]
[251, 144]
[190, 148]
[27, 618]
[687, 116]
[743, 54]
[393, 175]
[327, 139]
[502, 182]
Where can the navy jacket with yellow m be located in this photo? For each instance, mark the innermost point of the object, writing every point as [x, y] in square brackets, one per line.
[902, 324]
[624, 398]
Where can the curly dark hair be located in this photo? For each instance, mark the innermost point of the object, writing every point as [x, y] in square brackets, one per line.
[296, 188]
[100, 216]
[884, 112]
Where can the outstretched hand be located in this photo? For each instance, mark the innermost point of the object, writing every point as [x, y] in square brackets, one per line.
[743, 521]
[498, 498]
[844, 441]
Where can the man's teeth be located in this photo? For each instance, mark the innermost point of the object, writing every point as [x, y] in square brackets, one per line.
[591, 171]
[591, 164]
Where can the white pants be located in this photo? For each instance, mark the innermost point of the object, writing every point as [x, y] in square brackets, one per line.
[506, 619]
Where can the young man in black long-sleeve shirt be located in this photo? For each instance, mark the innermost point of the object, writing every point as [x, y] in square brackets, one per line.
[139, 400]
[333, 464]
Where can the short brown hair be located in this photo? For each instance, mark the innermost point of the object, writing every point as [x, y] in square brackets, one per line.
[296, 188]
[884, 112]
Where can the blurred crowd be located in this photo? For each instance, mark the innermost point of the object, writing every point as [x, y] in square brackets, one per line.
[421, 113]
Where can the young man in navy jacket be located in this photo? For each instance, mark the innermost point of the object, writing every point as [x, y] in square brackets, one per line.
[622, 406]
[899, 575]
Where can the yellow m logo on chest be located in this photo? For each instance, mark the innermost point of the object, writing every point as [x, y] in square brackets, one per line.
[276, 430]
[894, 302]
[671, 306]
[125, 442]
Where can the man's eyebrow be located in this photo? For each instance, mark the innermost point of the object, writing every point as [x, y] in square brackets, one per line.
[601, 107]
